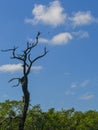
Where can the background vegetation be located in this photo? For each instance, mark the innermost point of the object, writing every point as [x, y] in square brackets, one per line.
[10, 113]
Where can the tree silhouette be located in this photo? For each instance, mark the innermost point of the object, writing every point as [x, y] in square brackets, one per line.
[27, 62]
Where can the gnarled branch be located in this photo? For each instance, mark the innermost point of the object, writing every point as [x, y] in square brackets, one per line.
[15, 79]
[32, 61]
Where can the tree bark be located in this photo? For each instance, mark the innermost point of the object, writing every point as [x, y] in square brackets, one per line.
[24, 83]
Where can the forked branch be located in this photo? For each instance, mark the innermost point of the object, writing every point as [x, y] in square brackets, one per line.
[32, 61]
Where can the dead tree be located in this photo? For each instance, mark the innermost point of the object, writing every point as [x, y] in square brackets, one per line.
[27, 62]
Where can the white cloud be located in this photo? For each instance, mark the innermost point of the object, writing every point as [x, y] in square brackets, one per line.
[87, 96]
[82, 18]
[84, 34]
[81, 34]
[10, 67]
[74, 85]
[85, 83]
[36, 68]
[16, 67]
[62, 38]
[59, 39]
[69, 92]
[54, 15]
[44, 40]
[51, 15]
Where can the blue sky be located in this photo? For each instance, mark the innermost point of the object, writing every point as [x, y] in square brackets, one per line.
[67, 76]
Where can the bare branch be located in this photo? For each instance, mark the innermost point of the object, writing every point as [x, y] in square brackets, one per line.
[15, 79]
[19, 57]
[16, 57]
[32, 45]
[45, 52]
[29, 58]
[32, 61]
[9, 49]
[16, 84]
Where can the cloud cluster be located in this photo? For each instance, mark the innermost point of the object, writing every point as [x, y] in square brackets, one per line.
[75, 85]
[16, 67]
[70, 91]
[84, 83]
[54, 15]
[51, 15]
[64, 37]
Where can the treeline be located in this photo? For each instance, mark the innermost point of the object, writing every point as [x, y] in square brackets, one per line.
[10, 113]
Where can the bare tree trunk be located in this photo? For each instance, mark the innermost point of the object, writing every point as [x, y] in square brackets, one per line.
[27, 61]
[26, 96]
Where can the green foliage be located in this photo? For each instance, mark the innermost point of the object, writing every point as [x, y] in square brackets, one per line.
[10, 112]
